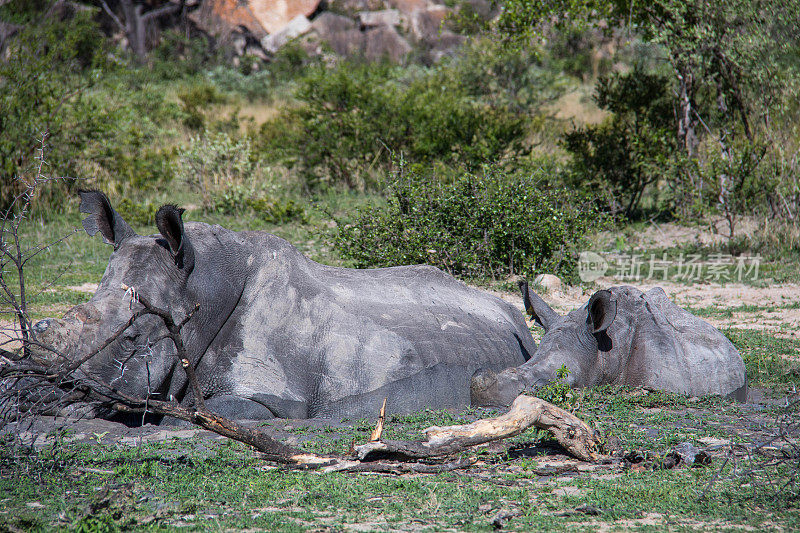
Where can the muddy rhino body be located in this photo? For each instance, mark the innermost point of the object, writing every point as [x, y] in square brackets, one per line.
[277, 334]
[622, 336]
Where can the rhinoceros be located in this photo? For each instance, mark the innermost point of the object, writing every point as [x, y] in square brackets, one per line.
[277, 334]
[622, 336]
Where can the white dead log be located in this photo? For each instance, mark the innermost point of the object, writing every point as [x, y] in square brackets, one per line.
[577, 437]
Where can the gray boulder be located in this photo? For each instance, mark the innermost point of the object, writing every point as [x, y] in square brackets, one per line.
[328, 24]
[295, 28]
[385, 42]
[384, 17]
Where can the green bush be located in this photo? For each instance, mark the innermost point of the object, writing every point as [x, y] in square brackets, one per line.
[353, 117]
[137, 214]
[272, 210]
[195, 99]
[230, 179]
[628, 152]
[256, 85]
[214, 163]
[487, 226]
[48, 65]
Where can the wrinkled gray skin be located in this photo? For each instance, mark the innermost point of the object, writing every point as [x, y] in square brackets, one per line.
[622, 336]
[279, 335]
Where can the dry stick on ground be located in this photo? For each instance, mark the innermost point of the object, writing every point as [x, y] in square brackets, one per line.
[378, 431]
[572, 433]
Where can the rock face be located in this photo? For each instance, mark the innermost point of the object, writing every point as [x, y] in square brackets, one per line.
[374, 29]
[385, 17]
[259, 17]
[275, 15]
[329, 24]
[426, 24]
[341, 33]
[384, 42]
[296, 27]
[548, 281]
[408, 6]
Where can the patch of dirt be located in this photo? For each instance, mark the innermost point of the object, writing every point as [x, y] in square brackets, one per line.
[783, 320]
[88, 287]
[670, 235]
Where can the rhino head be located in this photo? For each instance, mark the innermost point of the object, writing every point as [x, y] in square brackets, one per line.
[575, 341]
[622, 336]
[174, 275]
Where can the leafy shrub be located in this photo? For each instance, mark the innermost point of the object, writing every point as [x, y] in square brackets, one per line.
[486, 226]
[213, 163]
[178, 56]
[514, 77]
[355, 116]
[630, 151]
[38, 77]
[271, 210]
[254, 85]
[137, 214]
[558, 391]
[194, 100]
[119, 141]
[230, 178]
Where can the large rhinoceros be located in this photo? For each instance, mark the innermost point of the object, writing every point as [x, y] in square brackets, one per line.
[622, 336]
[277, 334]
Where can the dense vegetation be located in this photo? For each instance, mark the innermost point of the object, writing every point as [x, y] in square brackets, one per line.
[693, 116]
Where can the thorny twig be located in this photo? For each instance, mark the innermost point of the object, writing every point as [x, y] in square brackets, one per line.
[772, 465]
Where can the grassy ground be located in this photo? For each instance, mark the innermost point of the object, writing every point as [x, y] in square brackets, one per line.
[207, 484]
[95, 481]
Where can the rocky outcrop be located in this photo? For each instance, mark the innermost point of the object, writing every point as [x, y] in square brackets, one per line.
[376, 19]
[296, 27]
[374, 29]
[258, 17]
[384, 42]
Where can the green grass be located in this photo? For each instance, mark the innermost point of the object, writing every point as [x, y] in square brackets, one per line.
[728, 312]
[212, 485]
[770, 361]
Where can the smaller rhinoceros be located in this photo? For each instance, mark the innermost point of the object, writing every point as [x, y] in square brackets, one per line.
[622, 336]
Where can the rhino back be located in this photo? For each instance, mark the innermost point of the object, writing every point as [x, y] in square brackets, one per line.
[317, 340]
[676, 351]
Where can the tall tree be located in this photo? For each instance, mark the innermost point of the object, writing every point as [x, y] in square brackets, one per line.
[136, 17]
[741, 55]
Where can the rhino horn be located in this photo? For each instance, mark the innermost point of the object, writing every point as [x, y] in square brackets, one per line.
[601, 311]
[103, 218]
[537, 308]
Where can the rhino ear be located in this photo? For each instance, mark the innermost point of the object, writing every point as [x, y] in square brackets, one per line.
[170, 223]
[537, 308]
[103, 218]
[601, 311]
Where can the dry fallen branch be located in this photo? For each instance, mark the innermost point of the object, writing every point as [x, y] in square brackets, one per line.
[573, 434]
[378, 431]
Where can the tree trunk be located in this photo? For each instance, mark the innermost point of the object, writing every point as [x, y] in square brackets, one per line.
[135, 22]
